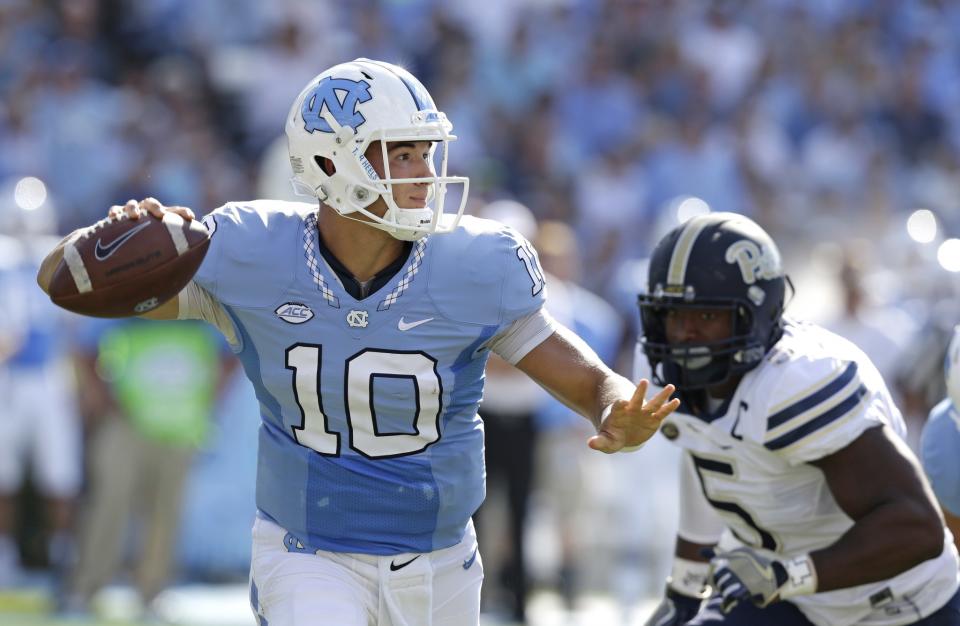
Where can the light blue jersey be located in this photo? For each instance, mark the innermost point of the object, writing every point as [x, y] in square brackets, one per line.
[940, 453]
[370, 440]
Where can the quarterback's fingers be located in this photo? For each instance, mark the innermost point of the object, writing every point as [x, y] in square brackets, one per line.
[640, 393]
[115, 212]
[661, 405]
[663, 396]
[131, 209]
[155, 208]
[184, 212]
[667, 409]
[152, 206]
[602, 442]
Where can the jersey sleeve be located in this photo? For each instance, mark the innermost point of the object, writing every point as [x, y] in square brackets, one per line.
[940, 454]
[485, 273]
[196, 303]
[524, 287]
[209, 271]
[251, 256]
[517, 340]
[819, 406]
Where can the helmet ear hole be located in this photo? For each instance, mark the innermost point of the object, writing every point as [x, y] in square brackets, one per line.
[326, 165]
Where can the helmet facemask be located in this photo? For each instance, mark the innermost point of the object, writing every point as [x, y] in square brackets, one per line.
[704, 364]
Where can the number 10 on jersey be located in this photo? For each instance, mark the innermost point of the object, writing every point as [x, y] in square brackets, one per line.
[361, 372]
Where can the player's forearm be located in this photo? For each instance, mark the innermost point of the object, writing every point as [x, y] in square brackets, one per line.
[571, 371]
[590, 391]
[889, 540]
[592, 388]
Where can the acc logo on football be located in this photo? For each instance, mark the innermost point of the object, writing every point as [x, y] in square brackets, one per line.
[294, 313]
[326, 95]
[147, 305]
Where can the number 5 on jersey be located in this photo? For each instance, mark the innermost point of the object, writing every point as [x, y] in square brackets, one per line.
[361, 372]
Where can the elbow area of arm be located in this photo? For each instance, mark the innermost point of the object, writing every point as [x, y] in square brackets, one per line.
[926, 530]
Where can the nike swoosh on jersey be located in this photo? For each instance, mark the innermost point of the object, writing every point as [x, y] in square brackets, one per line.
[104, 252]
[468, 562]
[402, 325]
[394, 567]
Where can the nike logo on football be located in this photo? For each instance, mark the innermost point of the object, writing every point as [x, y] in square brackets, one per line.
[394, 567]
[402, 325]
[468, 562]
[104, 252]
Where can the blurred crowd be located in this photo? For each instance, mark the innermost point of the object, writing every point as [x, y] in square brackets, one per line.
[836, 125]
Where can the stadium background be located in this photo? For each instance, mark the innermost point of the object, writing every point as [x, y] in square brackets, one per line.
[836, 125]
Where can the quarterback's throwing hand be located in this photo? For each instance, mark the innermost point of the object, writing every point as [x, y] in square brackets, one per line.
[631, 422]
[134, 209]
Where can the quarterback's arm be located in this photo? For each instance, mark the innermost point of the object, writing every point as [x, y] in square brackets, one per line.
[896, 521]
[570, 370]
[166, 311]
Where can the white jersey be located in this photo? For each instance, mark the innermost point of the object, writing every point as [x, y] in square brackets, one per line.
[812, 395]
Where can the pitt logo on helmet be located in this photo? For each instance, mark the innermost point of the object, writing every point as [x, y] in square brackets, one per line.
[755, 262]
[327, 95]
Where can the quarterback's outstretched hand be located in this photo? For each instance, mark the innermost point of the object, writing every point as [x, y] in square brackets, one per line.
[744, 574]
[629, 423]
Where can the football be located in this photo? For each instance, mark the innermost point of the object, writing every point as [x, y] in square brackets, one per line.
[123, 267]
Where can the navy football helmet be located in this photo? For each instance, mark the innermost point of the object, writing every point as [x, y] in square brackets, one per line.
[713, 261]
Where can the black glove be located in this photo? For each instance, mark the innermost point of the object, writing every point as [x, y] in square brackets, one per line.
[675, 610]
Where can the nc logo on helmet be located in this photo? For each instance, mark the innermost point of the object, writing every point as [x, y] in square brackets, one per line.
[755, 262]
[327, 94]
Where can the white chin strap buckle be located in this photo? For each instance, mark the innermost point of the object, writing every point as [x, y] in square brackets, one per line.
[408, 219]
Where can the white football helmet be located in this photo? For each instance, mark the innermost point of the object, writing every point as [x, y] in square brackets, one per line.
[951, 369]
[336, 117]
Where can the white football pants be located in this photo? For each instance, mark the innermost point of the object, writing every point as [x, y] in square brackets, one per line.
[297, 588]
